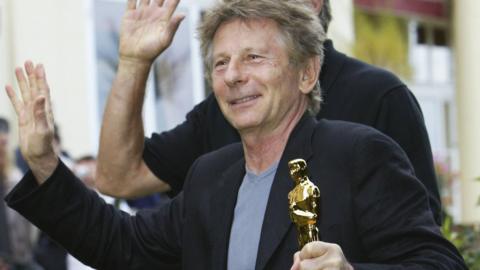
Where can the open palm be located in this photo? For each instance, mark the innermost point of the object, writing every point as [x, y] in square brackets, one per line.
[35, 119]
[147, 30]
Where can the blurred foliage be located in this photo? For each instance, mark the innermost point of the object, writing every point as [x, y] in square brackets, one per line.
[445, 179]
[382, 40]
[465, 237]
[467, 240]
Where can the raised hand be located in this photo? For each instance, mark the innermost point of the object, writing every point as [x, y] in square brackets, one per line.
[35, 120]
[148, 29]
[320, 255]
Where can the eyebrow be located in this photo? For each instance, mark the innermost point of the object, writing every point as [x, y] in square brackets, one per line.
[246, 50]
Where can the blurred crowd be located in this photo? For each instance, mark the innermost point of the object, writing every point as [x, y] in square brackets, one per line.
[22, 245]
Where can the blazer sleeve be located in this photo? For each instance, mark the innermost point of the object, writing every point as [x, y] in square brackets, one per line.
[400, 117]
[95, 232]
[394, 221]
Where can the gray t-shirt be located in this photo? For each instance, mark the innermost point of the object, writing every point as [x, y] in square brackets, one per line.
[248, 219]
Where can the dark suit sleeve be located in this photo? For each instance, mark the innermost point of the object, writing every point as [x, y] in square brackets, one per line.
[95, 232]
[394, 221]
[400, 117]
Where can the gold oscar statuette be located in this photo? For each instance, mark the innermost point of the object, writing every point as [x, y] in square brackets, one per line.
[303, 202]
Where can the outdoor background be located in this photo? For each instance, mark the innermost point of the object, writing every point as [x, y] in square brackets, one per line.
[431, 44]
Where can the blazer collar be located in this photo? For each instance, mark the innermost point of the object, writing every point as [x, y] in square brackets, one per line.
[277, 221]
[331, 67]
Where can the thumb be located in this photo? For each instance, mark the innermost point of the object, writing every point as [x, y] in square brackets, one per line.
[296, 261]
[175, 22]
[40, 114]
[313, 250]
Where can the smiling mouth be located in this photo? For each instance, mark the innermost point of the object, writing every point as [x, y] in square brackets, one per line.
[243, 100]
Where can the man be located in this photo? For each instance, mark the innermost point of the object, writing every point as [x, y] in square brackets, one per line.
[352, 91]
[233, 211]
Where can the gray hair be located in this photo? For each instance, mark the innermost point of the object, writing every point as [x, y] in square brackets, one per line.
[300, 28]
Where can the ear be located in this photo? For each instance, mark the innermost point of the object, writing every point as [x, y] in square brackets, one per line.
[309, 75]
[317, 5]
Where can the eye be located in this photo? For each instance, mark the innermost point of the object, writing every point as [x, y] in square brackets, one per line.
[254, 57]
[220, 63]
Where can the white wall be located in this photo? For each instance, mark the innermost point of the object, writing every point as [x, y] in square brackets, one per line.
[341, 29]
[53, 32]
[5, 73]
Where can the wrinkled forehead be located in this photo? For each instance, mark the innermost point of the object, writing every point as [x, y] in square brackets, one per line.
[247, 32]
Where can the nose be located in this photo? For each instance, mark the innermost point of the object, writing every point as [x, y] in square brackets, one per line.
[235, 73]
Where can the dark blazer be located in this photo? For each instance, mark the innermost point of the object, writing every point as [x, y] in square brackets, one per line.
[371, 205]
[352, 91]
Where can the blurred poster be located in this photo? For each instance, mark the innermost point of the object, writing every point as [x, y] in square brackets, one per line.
[176, 80]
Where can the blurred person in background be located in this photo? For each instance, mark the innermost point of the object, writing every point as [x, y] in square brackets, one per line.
[17, 235]
[85, 169]
[5, 246]
[4, 265]
[131, 166]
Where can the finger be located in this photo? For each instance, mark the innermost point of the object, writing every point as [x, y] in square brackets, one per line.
[144, 3]
[40, 114]
[313, 250]
[41, 80]
[296, 261]
[322, 263]
[23, 85]
[44, 89]
[311, 264]
[175, 23]
[17, 105]
[32, 78]
[159, 2]
[171, 5]
[131, 4]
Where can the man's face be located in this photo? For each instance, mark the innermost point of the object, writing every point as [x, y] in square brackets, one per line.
[253, 81]
[85, 170]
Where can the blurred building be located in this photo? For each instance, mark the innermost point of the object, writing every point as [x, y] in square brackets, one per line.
[426, 43]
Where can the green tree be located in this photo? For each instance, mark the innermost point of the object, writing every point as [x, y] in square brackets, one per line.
[382, 40]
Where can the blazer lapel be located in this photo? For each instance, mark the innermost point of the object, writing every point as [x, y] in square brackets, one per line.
[223, 205]
[277, 221]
